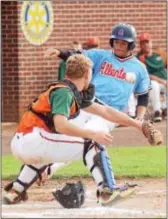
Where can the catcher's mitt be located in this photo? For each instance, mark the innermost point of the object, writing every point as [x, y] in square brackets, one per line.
[154, 136]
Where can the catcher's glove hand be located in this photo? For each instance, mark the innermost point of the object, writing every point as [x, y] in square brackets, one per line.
[154, 136]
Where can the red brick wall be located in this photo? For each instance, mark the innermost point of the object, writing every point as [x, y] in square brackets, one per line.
[25, 71]
[10, 86]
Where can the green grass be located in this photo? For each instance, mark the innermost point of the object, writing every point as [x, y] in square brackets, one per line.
[126, 162]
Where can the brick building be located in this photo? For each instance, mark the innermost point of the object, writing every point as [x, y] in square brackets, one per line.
[25, 72]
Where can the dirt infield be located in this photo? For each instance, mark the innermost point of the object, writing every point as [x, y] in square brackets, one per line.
[148, 202]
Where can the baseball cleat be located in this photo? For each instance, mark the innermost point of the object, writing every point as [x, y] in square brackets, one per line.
[157, 117]
[107, 197]
[13, 197]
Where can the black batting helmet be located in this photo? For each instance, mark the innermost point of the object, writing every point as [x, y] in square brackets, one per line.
[125, 32]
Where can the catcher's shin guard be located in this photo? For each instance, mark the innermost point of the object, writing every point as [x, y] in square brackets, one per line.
[97, 161]
[16, 191]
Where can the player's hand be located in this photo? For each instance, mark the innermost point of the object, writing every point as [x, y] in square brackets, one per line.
[51, 52]
[102, 138]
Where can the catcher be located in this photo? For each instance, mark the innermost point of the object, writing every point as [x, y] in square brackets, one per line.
[45, 135]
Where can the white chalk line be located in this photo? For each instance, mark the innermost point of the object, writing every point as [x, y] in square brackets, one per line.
[98, 211]
[21, 215]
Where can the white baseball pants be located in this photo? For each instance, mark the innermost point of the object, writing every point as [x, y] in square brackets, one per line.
[131, 107]
[154, 96]
[39, 147]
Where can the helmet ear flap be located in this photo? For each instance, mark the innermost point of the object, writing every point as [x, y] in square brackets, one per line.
[111, 42]
[131, 46]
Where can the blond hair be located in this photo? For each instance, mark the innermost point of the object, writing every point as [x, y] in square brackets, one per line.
[77, 66]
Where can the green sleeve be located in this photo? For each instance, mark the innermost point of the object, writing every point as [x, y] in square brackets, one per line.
[155, 66]
[61, 70]
[155, 62]
[61, 100]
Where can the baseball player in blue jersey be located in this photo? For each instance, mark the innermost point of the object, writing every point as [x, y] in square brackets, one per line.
[116, 75]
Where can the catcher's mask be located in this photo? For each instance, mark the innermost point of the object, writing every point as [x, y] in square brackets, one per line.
[72, 195]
